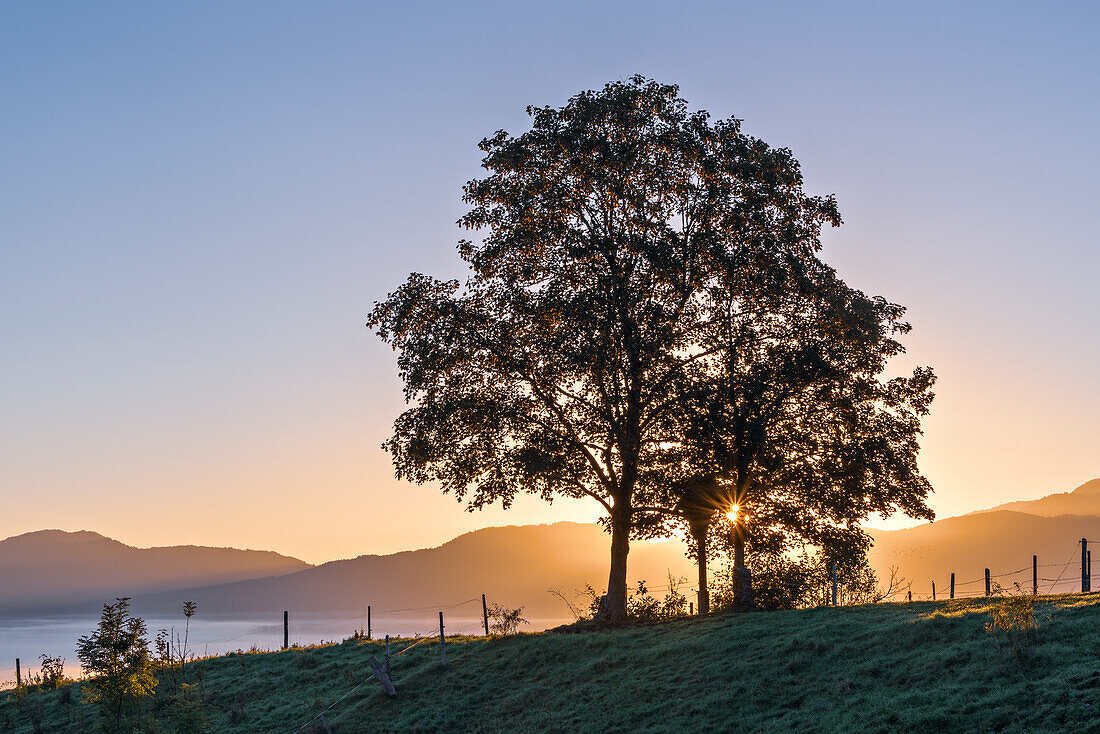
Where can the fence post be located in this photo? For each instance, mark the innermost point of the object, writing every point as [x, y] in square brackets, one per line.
[1084, 565]
[442, 643]
[485, 615]
[834, 584]
[933, 590]
[286, 629]
[987, 582]
[691, 609]
[1090, 568]
[383, 676]
[368, 621]
[1034, 575]
[910, 597]
[952, 584]
[18, 675]
[387, 654]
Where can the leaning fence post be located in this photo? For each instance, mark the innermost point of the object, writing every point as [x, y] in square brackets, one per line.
[834, 584]
[933, 590]
[952, 584]
[987, 582]
[442, 642]
[1034, 575]
[286, 629]
[383, 676]
[1084, 565]
[485, 615]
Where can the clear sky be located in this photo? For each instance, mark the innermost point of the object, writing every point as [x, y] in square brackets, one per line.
[199, 204]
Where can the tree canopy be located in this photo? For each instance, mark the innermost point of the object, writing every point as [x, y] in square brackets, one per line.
[642, 277]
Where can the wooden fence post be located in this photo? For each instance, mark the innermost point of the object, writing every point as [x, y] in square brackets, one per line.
[987, 582]
[383, 676]
[1084, 565]
[952, 584]
[442, 642]
[368, 621]
[286, 629]
[387, 654]
[910, 595]
[485, 615]
[933, 590]
[18, 675]
[1034, 575]
[691, 609]
[834, 584]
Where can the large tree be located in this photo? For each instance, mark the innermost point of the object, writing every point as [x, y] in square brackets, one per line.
[602, 235]
[793, 423]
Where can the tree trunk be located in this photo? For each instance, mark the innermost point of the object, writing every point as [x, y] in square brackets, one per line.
[613, 606]
[742, 579]
[699, 533]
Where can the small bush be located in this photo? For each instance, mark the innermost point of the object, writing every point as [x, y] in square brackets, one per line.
[646, 608]
[1013, 622]
[53, 673]
[505, 621]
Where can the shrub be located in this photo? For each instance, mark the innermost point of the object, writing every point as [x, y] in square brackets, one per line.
[644, 607]
[505, 621]
[1012, 621]
[781, 582]
[640, 605]
[53, 673]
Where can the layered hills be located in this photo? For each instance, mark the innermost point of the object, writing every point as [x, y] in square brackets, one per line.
[51, 569]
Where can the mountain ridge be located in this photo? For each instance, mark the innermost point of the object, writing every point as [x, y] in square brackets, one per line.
[47, 569]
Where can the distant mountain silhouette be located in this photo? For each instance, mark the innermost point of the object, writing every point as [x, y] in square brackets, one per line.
[48, 569]
[512, 565]
[1085, 500]
[1002, 539]
[53, 570]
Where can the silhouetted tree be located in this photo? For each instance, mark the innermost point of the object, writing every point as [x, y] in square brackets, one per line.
[558, 368]
[793, 423]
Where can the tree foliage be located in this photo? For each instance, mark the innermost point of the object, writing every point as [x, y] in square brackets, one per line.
[623, 242]
[115, 657]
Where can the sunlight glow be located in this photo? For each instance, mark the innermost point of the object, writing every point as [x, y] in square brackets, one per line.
[732, 514]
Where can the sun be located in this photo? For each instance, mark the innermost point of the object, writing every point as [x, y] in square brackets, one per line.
[732, 514]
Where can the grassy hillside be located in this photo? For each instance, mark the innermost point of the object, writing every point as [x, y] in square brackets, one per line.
[926, 666]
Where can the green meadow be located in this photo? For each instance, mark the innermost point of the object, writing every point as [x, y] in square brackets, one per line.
[918, 667]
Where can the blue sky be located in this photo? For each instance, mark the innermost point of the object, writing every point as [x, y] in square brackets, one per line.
[200, 203]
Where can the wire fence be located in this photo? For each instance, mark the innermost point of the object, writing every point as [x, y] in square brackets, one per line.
[1073, 576]
[250, 634]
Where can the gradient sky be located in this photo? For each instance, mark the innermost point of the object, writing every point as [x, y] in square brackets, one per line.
[199, 204]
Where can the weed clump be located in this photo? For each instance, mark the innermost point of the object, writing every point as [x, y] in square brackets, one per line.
[1013, 621]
